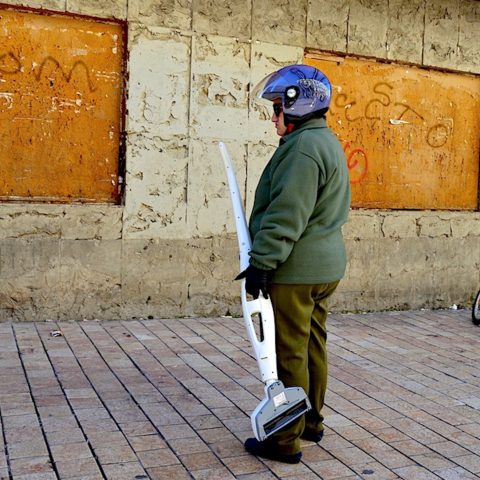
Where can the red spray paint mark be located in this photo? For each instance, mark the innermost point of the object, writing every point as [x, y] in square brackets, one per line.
[357, 162]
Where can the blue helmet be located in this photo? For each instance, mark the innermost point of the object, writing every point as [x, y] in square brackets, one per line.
[303, 89]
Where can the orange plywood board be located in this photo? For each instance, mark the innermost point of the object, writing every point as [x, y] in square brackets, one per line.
[60, 107]
[411, 135]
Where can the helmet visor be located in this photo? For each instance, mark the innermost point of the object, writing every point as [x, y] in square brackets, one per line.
[268, 89]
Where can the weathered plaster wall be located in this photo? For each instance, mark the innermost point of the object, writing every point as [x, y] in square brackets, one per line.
[170, 249]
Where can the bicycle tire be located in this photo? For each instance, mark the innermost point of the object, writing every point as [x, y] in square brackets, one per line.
[476, 309]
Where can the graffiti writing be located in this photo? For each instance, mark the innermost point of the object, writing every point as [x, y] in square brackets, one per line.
[6, 100]
[438, 135]
[357, 162]
[10, 64]
[399, 113]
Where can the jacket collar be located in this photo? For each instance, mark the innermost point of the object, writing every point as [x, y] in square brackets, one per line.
[308, 125]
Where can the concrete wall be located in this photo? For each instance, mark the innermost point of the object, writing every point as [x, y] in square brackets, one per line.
[170, 248]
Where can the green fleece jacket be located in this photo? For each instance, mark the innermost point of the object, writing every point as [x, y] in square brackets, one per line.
[301, 202]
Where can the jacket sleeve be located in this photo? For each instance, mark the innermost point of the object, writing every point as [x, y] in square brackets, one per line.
[293, 195]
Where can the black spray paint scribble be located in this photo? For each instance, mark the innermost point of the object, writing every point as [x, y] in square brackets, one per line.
[10, 64]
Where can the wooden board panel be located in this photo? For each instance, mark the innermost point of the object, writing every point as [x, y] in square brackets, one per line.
[60, 107]
[411, 135]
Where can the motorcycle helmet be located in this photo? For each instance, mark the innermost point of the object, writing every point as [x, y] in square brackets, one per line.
[305, 92]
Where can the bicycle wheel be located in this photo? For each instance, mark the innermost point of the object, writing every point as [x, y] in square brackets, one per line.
[476, 309]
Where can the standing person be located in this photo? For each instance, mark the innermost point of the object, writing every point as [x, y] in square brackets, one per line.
[298, 254]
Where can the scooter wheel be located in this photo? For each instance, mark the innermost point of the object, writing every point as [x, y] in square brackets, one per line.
[476, 309]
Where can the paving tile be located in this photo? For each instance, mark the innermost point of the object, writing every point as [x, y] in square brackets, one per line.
[244, 464]
[433, 461]
[54, 411]
[19, 421]
[99, 425]
[152, 442]
[389, 435]
[115, 454]
[169, 472]
[314, 454]
[205, 422]
[35, 447]
[50, 401]
[392, 459]
[457, 473]
[122, 471]
[102, 439]
[93, 476]
[137, 428]
[35, 476]
[70, 451]
[157, 458]
[228, 447]
[74, 467]
[212, 474]
[56, 424]
[61, 437]
[331, 469]
[267, 475]
[470, 462]
[213, 435]
[351, 456]
[411, 447]
[188, 445]
[26, 409]
[449, 449]
[89, 413]
[30, 465]
[200, 461]
[171, 432]
[415, 472]
[374, 471]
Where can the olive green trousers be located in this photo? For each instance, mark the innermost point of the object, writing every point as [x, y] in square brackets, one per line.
[300, 338]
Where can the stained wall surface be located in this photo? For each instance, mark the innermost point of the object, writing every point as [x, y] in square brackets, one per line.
[169, 247]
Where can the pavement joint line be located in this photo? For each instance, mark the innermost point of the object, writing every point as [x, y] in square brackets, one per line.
[152, 383]
[19, 351]
[79, 423]
[5, 450]
[99, 396]
[126, 389]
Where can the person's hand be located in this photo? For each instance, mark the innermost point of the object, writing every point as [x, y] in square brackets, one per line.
[256, 280]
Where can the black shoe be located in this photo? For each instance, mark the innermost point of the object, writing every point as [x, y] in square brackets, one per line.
[312, 436]
[261, 449]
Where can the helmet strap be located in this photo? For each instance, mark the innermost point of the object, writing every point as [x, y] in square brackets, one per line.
[293, 122]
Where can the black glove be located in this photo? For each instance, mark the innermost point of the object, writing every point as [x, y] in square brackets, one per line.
[256, 280]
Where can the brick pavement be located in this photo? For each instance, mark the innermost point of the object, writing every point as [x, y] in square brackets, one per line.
[169, 399]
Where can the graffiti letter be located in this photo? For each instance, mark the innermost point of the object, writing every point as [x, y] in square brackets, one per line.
[357, 163]
[66, 76]
[385, 101]
[407, 108]
[437, 136]
[346, 106]
[6, 66]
